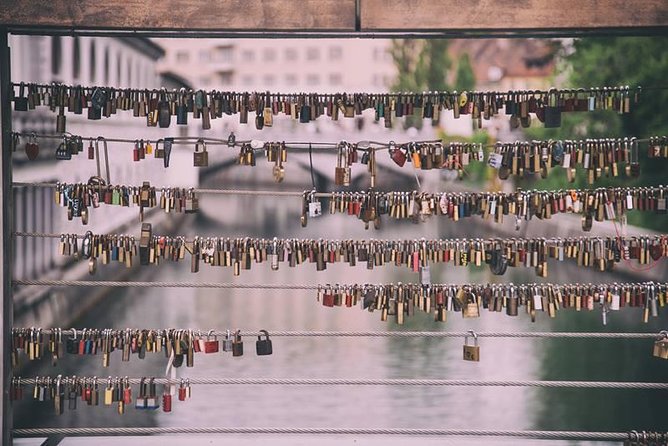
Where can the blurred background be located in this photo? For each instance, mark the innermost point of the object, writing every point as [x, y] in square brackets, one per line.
[330, 66]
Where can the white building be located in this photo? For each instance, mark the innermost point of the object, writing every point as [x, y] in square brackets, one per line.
[286, 65]
[86, 61]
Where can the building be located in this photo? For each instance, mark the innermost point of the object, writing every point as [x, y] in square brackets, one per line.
[286, 65]
[86, 61]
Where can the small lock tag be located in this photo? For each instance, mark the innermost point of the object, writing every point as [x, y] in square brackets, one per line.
[495, 160]
[263, 347]
[471, 352]
[425, 275]
[314, 206]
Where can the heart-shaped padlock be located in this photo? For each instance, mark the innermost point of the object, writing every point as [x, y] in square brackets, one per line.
[32, 148]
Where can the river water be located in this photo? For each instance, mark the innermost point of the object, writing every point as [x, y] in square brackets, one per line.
[511, 408]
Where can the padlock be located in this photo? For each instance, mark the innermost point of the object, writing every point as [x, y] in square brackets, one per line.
[166, 399]
[32, 148]
[471, 352]
[140, 402]
[397, 155]
[164, 112]
[191, 202]
[183, 393]
[552, 117]
[167, 150]
[661, 346]
[263, 346]
[182, 109]
[201, 156]
[21, 101]
[237, 344]
[227, 342]
[152, 402]
[211, 345]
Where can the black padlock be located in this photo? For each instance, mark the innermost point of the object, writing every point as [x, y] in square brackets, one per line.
[63, 151]
[238, 345]
[99, 98]
[164, 112]
[94, 113]
[182, 109]
[552, 110]
[263, 346]
[259, 120]
[167, 150]
[21, 101]
[305, 114]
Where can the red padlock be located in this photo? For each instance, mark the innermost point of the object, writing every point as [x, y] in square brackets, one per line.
[127, 392]
[211, 345]
[135, 151]
[166, 400]
[328, 299]
[183, 393]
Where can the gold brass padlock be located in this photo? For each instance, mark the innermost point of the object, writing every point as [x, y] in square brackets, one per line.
[471, 352]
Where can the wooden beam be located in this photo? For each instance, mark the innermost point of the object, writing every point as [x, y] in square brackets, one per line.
[501, 16]
[238, 15]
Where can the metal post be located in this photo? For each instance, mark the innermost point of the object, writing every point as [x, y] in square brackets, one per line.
[6, 209]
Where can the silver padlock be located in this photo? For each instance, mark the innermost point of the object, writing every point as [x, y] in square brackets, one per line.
[227, 342]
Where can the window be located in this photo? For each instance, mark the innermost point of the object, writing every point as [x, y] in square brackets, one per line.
[226, 78]
[118, 70]
[248, 56]
[312, 79]
[129, 81]
[247, 80]
[335, 79]
[56, 54]
[312, 54]
[106, 66]
[204, 81]
[335, 53]
[268, 55]
[268, 80]
[76, 58]
[223, 54]
[182, 56]
[92, 61]
[290, 79]
[290, 54]
[204, 56]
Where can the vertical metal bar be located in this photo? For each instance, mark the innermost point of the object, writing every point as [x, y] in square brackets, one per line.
[6, 209]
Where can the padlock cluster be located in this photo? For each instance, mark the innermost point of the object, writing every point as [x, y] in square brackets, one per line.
[157, 106]
[599, 253]
[400, 301]
[178, 346]
[68, 390]
[592, 204]
[78, 198]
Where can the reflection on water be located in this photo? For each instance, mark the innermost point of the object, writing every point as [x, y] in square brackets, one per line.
[371, 406]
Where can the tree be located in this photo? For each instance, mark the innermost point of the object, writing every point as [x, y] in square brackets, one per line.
[465, 79]
[423, 65]
[619, 61]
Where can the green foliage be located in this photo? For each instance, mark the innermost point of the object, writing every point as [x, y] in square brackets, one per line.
[465, 79]
[632, 61]
[424, 65]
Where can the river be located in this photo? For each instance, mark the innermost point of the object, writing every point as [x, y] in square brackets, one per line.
[511, 408]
